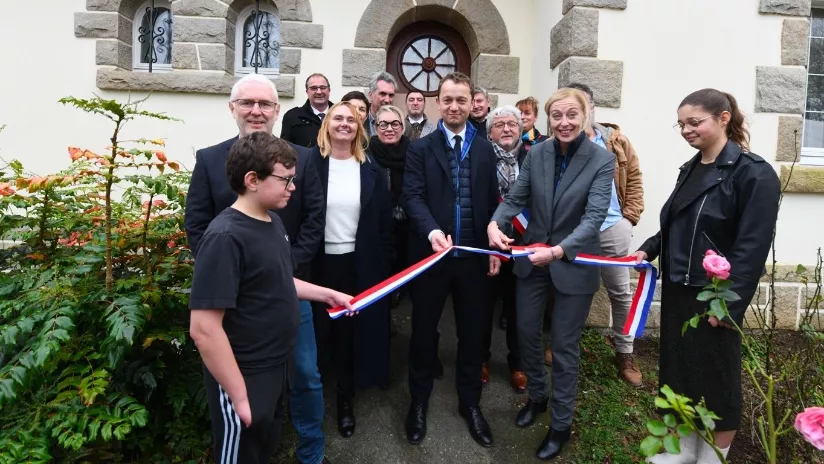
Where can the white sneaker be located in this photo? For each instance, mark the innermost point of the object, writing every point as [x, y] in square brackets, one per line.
[706, 455]
[688, 455]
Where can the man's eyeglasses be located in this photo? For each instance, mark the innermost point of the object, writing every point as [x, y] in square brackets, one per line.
[383, 125]
[264, 105]
[691, 124]
[315, 88]
[500, 125]
[289, 180]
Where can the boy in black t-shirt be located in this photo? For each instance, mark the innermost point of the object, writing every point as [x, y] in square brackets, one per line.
[244, 302]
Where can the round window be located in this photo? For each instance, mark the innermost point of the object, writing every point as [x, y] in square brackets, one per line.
[425, 61]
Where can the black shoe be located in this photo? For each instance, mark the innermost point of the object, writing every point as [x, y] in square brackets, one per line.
[478, 427]
[416, 423]
[346, 418]
[502, 322]
[527, 414]
[553, 444]
[438, 369]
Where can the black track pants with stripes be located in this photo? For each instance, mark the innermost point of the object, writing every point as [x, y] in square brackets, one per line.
[234, 443]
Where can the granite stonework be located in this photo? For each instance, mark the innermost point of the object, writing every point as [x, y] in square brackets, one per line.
[788, 147]
[184, 56]
[794, 42]
[497, 73]
[302, 35]
[202, 8]
[612, 4]
[576, 34]
[112, 52]
[802, 179]
[202, 30]
[182, 81]
[604, 77]
[359, 66]
[102, 26]
[780, 89]
[290, 60]
[786, 7]
[218, 57]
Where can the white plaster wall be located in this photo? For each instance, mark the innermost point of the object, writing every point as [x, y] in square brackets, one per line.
[671, 48]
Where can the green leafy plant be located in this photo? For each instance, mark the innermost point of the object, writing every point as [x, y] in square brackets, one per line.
[94, 357]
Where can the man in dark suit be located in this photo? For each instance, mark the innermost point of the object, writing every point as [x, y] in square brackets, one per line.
[301, 124]
[254, 105]
[450, 190]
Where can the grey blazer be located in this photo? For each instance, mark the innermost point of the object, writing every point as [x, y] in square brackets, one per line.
[570, 217]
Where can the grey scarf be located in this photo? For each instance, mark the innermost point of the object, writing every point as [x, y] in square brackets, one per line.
[506, 167]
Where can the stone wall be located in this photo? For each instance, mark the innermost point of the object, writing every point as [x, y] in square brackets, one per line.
[203, 37]
[791, 298]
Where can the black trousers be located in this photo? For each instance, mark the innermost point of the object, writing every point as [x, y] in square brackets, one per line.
[466, 280]
[503, 287]
[336, 337]
[233, 442]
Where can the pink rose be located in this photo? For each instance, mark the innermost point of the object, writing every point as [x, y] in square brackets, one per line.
[810, 424]
[716, 266]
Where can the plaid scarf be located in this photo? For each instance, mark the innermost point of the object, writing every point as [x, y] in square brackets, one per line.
[505, 167]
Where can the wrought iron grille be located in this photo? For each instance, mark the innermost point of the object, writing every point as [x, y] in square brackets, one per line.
[260, 49]
[155, 36]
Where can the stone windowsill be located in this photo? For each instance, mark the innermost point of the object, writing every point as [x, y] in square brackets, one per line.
[804, 179]
[181, 81]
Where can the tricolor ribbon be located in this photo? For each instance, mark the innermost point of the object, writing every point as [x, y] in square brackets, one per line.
[636, 320]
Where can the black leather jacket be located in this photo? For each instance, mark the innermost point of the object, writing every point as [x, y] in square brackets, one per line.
[734, 214]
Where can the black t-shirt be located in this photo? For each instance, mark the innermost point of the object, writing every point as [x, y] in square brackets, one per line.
[692, 185]
[244, 265]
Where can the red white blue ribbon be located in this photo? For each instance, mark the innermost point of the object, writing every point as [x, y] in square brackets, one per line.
[635, 321]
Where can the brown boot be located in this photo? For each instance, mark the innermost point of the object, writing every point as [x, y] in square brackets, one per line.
[548, 357]
[518, 381]
[627, 369]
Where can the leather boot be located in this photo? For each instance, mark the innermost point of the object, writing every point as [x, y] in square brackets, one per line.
[553, 444]
[416, 423]
[628, 370]
[518, 381]
[527, 414]
[478, 426]
[346, 418]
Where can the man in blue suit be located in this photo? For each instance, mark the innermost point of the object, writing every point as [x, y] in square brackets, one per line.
[450, 191]
[254, 105]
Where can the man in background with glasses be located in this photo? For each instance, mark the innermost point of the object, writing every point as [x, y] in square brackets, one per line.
[301, 124]
[254, 105]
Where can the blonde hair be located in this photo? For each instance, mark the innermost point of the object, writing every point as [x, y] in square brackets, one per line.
[391, 109]
[360, 142]
[575, 94]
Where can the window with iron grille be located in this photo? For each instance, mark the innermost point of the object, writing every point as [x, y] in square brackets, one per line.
[257, 46]
[152, 37]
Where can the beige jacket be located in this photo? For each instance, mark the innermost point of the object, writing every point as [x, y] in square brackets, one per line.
[628, 181]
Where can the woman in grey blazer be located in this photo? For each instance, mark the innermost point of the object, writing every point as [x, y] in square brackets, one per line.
[566, 183]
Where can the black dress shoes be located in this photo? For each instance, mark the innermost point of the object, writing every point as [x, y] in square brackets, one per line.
[346, 418]
[553, 444]
[478, 427]
[416, 423]
[527, 414]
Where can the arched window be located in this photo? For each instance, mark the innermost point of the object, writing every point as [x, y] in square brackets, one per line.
[257, 46]
[152, 37]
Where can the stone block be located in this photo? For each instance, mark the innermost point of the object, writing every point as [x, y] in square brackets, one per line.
[294, 10]
[789, 138]
[654, 317]
[360, 65]
[604, 77]
[656, 295]
[786, 7]
[290, 60]
[102, 5]
[102, 26]
[201, 8]
[786, 301]
[377, 20]
[804, 179]
[181, 81]
[493, 100]
[794, 37]
[599, 312]
[202, 30]
[301, 35]
[184, 56]
[614, 4]
[487, 24]
[788, 273]
[757, 315]
[779, 89]
[112, 52]
[497, 73]
[814, 319]
[576, 34]
[216, 57]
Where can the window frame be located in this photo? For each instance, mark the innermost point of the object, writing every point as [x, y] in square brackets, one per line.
[239, 40]
[137, 65]
[811, 156]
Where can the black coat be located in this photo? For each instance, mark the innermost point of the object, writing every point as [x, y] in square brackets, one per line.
[733, 213]
[300, 126]
[429, 196]
[374, 252]
[304, 216]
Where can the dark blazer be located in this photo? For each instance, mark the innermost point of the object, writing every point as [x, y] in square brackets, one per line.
[570, 217]
[300, 125]
[429, 196]
[374, 251]
[304, 217]
[733, 213]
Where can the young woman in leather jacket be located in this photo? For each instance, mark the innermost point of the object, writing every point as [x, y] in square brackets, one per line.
[726, 200]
